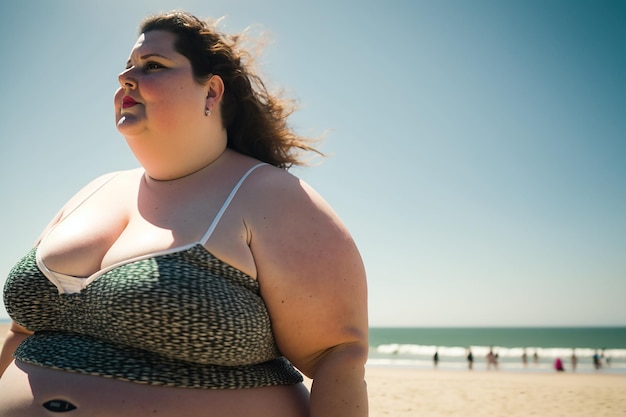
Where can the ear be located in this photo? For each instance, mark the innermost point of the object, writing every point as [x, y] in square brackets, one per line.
[215, 91]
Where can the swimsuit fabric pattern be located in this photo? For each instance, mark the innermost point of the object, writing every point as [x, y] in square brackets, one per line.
[183, 318]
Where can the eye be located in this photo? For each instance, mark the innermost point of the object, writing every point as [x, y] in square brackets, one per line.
[152, 66]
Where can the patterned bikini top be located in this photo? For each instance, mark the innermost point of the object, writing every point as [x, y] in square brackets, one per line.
[180, 318]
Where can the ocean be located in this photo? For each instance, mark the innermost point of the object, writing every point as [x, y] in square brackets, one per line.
[415, 348]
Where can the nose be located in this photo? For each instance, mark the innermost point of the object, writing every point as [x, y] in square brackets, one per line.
[126, 79]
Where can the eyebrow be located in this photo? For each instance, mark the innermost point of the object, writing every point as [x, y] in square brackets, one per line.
[146, 56]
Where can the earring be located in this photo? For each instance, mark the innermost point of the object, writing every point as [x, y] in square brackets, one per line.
[207, 111]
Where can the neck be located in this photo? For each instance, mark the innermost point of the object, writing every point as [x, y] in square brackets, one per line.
[172, 154]
[187, 172]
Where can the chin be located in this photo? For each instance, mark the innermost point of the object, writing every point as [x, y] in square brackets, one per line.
[129, 125]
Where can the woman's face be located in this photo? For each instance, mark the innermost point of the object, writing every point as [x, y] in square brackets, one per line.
[158, 93]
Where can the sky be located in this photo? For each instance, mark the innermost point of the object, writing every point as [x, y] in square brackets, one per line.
[476, 147]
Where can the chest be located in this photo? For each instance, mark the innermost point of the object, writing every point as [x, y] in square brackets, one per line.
[122, 223]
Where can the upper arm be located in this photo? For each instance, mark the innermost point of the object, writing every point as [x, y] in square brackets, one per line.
[311, 274]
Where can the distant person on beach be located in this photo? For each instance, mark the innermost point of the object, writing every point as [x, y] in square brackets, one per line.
[558, 365]
[436, 358]
[470, 359]
[597, 361]
[203, 283]
[524, 358]
[574, 360]
[536, 358]
[492, 360]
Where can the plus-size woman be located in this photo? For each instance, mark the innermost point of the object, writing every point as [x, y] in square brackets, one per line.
[202, 283]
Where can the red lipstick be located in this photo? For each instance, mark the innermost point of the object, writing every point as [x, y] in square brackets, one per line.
[128, 102]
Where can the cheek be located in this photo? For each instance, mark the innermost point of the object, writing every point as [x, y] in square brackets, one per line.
[172, 97]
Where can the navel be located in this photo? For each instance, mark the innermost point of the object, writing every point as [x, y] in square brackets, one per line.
[59, 406]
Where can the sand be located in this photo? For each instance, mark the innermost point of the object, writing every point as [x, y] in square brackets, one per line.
[438, 393]
[402, 392]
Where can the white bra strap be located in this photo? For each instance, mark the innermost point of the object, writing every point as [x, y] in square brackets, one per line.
[217, 218]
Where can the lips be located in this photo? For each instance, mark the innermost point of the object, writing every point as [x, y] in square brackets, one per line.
[128, 101]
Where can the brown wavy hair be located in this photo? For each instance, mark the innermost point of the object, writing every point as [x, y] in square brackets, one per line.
[255, 119]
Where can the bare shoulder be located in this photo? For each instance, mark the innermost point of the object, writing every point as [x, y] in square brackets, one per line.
[97, 183]
[87, 190]
[274, 187]
[285, 209]
[309, 268]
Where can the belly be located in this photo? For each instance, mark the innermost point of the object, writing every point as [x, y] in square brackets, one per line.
[24, 388]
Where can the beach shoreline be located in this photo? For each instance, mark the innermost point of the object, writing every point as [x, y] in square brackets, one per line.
[410, 392]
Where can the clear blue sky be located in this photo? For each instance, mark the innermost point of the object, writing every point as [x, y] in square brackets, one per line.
[478, 147]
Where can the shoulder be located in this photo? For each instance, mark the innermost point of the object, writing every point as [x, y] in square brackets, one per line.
[273, 188]
[82, 194]
[281, 206]
[103, 179]
[293, 228]
[97, 183]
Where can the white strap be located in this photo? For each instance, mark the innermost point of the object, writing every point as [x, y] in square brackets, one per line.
[217, 218]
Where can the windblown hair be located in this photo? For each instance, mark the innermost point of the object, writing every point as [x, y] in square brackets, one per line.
[255, 119]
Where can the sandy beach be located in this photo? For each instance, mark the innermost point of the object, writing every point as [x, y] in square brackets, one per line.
[405, 392]
[436, 393]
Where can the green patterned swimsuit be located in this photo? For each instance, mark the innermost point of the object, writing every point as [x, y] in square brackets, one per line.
[180, 318]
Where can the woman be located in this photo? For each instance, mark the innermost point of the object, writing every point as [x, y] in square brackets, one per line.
[193, 285]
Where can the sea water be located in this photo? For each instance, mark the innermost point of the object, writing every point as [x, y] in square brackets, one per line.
[416, 347]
